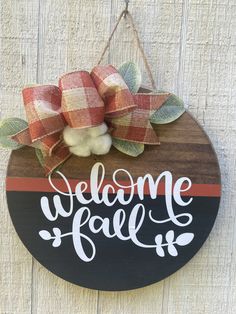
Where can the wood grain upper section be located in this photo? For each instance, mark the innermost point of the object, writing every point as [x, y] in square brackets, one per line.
[185, 150]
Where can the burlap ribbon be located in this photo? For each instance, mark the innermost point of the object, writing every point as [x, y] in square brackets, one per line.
[85, 100]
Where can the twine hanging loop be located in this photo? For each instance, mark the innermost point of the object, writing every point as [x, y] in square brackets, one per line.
[126, 13]
[126, 10]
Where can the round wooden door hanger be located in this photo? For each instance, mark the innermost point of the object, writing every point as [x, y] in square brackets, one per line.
[115, 222]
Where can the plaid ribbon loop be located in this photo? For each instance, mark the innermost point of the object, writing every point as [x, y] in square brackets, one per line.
[113, 90]
[85, 100]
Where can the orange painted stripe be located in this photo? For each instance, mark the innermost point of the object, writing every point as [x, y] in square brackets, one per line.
[43, 185]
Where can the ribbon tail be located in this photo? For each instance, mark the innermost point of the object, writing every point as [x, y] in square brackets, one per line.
[60, 154]
[23, 137]
[45, 144]
[53, 149]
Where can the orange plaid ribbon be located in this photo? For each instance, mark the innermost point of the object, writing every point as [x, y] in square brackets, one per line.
[84, 100]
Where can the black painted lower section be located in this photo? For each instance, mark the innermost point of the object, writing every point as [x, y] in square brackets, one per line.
[118, 265]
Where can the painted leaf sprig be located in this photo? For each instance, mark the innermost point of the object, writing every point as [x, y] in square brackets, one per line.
[182, 240]
[170, 241]
[9, 127]
[56, 237]
[171, 110]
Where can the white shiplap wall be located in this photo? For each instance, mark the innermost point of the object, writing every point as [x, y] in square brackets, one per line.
[191, 45]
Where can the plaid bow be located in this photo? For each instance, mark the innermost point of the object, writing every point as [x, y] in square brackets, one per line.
[84, 100]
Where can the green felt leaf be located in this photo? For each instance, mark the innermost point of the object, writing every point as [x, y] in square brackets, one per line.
[8, 143]
[40, 156]
[9, 127]
[129, 148]
[171, 110]
[131, 75]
